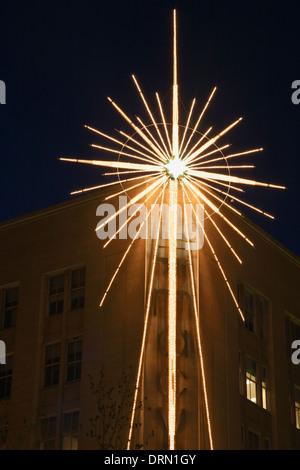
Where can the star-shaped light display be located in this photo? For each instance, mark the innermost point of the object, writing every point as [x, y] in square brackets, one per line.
[168, 158]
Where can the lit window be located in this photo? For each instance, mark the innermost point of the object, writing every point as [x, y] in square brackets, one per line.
[297, 407]
[74, 357]
[48, 433]
[6, 377]
[70, 430]
[251, 380]
[249, 307]
[56, 294]
[52, 364]
[10, 307]
[264, 388]
[77, 288]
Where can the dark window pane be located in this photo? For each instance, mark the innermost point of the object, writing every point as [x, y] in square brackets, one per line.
[67, 423]
[74, 358]
[250, 366]
[78, 371]
[77, 299]
[56, 284]
[11, 297]
[70, 372]
[75, 422]
[55, 374]
[52, 359]
[78, 278]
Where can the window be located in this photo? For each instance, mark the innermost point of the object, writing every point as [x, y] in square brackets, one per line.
[249, 307]
[56, 294]
[52, 363]
[267, 443]
[70, 430]
[262, 317]
[6, 377]
[255, 307]
[297, 407]
[264, 388]
[253, 441]
[10, 307]
[66, 291]
[241, 374]
[48, 433]
[295, 331]
[251, 380]
[74, 357]
[292, 331]
[3, 437]
[77, 288]
[243, 434]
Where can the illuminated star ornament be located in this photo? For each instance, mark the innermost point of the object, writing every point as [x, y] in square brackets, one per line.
[181, 162]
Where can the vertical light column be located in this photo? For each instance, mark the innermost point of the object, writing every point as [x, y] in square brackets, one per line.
[172, 285]
[172, 260]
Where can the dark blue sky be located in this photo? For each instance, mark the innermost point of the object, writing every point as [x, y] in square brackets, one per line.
[60, 60]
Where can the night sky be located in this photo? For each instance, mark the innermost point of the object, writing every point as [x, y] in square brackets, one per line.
[60, 61]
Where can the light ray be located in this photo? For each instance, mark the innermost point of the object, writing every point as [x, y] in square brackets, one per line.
[201, 183]
[138, 131]
[235, 199]
[233, 155]
[172, 310]
[198, 142]
[114, 164]
[123, 172]
[131, 187]
[146, 321]
[220, 232]
[150, 114]
[219, 199]
[133, 201]
[128, 219]
[172, 257]
[148, 149]
[211, 141]
[199, 119]
[146, 128]
[217, 210]
[91, 188]
[120, 152]
[164, 121]
[187, 124]
[122, 144]
[226, 185]
[220, 267]
[196, 313]
[218, 149]
[233, 179]
[221, 167]
[127, 251]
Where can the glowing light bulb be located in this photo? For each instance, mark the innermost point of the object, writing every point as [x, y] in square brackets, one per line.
[175, 167]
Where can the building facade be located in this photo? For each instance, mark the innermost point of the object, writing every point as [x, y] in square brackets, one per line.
[70, 365]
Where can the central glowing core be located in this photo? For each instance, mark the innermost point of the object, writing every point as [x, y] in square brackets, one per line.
[175, 167]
